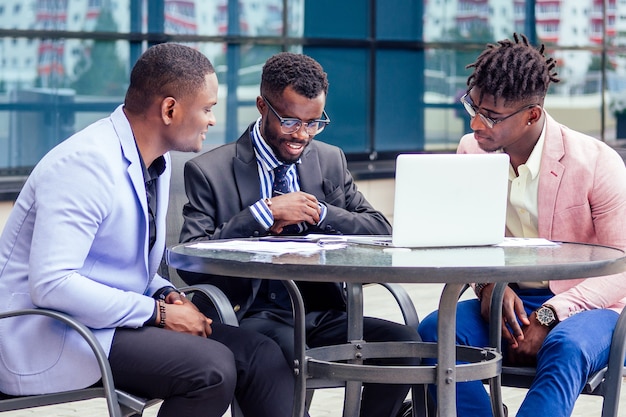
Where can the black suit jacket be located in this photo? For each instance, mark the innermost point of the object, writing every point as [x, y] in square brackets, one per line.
[223, 183]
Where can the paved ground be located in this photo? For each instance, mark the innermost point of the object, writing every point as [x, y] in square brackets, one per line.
[328, 403]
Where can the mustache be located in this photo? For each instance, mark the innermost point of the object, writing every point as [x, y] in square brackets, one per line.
[297, 141]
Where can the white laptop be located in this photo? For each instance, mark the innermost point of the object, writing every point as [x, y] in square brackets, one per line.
[444, 200]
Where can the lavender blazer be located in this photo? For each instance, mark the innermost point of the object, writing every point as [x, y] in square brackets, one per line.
[581, 198]
[77, 241]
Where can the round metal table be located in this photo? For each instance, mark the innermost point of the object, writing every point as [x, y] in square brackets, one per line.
[358, 264]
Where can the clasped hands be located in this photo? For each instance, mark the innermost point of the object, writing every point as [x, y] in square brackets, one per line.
[524, 335]
[294, 208]
[183, 316]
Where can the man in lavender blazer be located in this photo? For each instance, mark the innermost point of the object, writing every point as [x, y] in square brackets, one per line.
[563, 186]
[86, 237]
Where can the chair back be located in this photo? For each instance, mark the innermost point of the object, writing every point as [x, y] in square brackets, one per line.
[174, 218]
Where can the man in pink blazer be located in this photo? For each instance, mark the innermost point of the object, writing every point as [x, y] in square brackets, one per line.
[563, 186]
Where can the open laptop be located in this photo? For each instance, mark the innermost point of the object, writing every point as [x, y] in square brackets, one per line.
[444, 200]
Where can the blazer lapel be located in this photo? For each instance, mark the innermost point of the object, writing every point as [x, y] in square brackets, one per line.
[135, 173]
[551, 173]
[310, 173]
[246, 171]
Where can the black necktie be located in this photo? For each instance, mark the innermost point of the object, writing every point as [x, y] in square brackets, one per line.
[281, 186]
[276, 291]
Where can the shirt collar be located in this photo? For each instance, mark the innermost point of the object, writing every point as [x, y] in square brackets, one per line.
[154, 170]
[534, 160]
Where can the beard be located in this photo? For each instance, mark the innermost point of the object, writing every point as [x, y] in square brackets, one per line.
[488, 148]
[279, 143]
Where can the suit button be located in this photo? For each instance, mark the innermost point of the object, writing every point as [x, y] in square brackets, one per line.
[236, 308]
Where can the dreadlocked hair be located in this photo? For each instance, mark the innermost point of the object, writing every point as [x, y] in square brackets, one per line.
[513, 71]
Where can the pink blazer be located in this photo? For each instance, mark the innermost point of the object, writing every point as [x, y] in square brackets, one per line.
[581, 198]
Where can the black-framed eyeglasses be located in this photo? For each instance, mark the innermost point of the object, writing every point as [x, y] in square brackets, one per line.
[488, 121]
[290, 125]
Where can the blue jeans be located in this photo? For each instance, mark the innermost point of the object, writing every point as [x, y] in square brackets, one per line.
[573, 350]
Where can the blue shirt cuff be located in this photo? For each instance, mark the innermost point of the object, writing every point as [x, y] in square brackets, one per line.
[323, 212]
[262, 214]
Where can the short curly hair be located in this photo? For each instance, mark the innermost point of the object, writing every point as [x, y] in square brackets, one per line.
[513, 71]
[166, 70]
[304, 74]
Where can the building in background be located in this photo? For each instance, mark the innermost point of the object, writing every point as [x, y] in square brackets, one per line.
[396, 67]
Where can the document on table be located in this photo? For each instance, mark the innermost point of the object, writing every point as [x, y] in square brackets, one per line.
[525, 241]
[276, 245]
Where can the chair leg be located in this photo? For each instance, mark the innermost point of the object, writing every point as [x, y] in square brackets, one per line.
[235, 410]
[308, 399]
[614, 374]
[419, 398]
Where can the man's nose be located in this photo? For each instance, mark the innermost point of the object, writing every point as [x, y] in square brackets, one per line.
[300, 133]
[476, 123]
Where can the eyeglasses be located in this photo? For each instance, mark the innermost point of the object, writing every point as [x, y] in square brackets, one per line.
[488, 121]
[290, 125]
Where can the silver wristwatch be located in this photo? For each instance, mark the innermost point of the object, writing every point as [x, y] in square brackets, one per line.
[546, 316]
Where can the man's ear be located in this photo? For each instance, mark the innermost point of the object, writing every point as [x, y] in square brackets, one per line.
[260, 104]
[535, 114]
[168, 105]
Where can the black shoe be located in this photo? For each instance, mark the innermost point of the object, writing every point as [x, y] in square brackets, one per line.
[406, 409]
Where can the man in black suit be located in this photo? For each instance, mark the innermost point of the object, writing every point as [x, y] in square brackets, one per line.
[275, 179]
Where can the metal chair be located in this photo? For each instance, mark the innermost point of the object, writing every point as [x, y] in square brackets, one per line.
[606, 383]
[222, 305]
[119, 403]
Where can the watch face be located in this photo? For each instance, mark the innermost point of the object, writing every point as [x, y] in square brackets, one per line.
[545, 316]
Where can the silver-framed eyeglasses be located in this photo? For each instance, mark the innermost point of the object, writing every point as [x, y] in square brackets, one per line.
[290, 125]
[488, 121]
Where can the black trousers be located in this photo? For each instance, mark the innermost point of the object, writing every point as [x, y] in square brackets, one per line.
[330, 327]
[198, 376]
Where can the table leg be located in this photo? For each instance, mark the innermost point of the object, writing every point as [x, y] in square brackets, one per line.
[297, 304]
[446, 350]
[352, 399]
[495, 336]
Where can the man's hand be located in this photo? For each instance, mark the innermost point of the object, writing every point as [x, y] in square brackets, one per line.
[294, 208]
[175, 297]
[512, 311]
[182, 315]
[525, 353]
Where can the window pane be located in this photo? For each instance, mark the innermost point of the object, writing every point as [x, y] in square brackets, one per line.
[201, 17]
[348, 97]
[295, 18]
[616, 97]
[336, 19]
[36, 127]
[81, 16]
[398, 20]
[576, 101]
[63, 87]
[399, 101]
[387, 94]
[445, 80]
[101, 68]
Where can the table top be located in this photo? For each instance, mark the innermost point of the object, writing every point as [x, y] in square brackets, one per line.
[364, 263]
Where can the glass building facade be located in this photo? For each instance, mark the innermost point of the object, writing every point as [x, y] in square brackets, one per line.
[396, 67]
